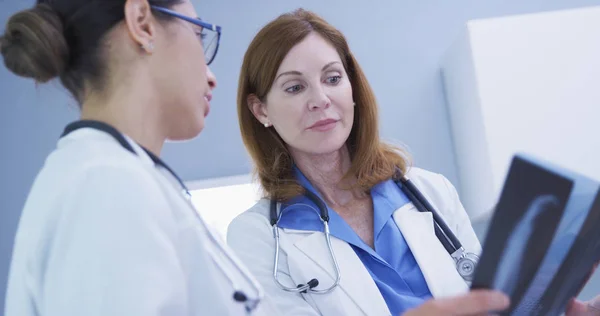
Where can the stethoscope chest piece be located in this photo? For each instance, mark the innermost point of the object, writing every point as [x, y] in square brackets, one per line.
[466, 266]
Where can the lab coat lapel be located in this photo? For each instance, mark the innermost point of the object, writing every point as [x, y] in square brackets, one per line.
[355, 280]
[436, 264]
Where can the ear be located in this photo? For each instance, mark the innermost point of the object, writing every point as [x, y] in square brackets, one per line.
[140, 23]
[258, 108]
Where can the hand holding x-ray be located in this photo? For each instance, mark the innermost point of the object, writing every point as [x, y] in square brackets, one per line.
[579, 308]
[588, 308]
[476, 302]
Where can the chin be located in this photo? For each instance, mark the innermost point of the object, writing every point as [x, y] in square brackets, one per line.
[187, 131]
[324, 148]
[320, 145]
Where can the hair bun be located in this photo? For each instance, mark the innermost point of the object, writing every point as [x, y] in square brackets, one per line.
[34, 45]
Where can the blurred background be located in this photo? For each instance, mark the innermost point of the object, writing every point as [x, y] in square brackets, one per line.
[458, 83]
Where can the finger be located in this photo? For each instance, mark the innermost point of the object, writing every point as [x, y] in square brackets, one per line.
[576, 307]
[474, 302]
[594, 305]
[569, 308]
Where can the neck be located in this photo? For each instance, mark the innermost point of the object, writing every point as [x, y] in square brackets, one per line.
[325, 173]
[133, 114]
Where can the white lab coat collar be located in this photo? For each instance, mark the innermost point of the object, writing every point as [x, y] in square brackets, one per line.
[144, 157]
[305, 254]
[417, 228]
[147, 161]
[438, 267]
[89, 134]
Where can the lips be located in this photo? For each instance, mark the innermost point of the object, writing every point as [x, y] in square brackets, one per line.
[323, 125]
[207, 98]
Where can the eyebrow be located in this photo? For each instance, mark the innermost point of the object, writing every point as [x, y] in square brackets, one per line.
[329, 65]
[287, 73]
[295, 72]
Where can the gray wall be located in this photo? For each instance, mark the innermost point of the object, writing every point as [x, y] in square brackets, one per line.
[399, 44]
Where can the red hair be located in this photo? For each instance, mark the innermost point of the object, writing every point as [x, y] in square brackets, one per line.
[372, 160]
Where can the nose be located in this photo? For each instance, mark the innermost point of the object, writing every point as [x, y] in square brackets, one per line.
[212, 80]
[320, 100]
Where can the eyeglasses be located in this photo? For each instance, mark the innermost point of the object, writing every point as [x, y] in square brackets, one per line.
[211, 33]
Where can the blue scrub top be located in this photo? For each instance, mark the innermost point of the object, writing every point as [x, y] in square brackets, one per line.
[391, 264]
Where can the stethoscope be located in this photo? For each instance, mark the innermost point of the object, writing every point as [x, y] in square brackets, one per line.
[465, 261]
[250, 304]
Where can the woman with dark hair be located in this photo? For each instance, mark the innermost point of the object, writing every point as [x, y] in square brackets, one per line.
[107, 228]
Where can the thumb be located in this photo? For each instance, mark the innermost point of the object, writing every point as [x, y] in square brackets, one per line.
[576, 307]
[579, 308]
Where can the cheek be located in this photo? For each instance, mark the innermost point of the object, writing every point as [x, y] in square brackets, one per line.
[187, 81]
[185, 51]
[190, 72]
[284, 113]
[346, 94]
[191, 58]
[288, 119]
[343, 101]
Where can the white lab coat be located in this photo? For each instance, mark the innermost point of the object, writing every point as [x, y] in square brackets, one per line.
[304, 255]
[105, 232]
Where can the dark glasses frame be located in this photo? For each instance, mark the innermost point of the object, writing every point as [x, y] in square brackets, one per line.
[196, 21]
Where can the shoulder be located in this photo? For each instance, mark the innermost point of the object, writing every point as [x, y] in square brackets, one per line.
[101, 190]
[428, 179]
[85, 148]
[255, 218]
[434, 184]
[250, 234]
[87, 155]
[86, 190]
[118, 187]
[90, 172]
[438, 189]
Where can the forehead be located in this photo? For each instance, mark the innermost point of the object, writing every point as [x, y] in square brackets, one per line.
[312, 53]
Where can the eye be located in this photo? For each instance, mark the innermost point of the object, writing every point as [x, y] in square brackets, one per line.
[333, 79]
[200, 33]
[294, 89]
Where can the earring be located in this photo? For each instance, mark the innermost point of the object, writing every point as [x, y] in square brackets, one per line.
[149, 48]
[266, 124]
[353, 103]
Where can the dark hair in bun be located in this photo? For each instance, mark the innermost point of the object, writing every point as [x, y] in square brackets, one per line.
[34, 45]
[63, 38]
